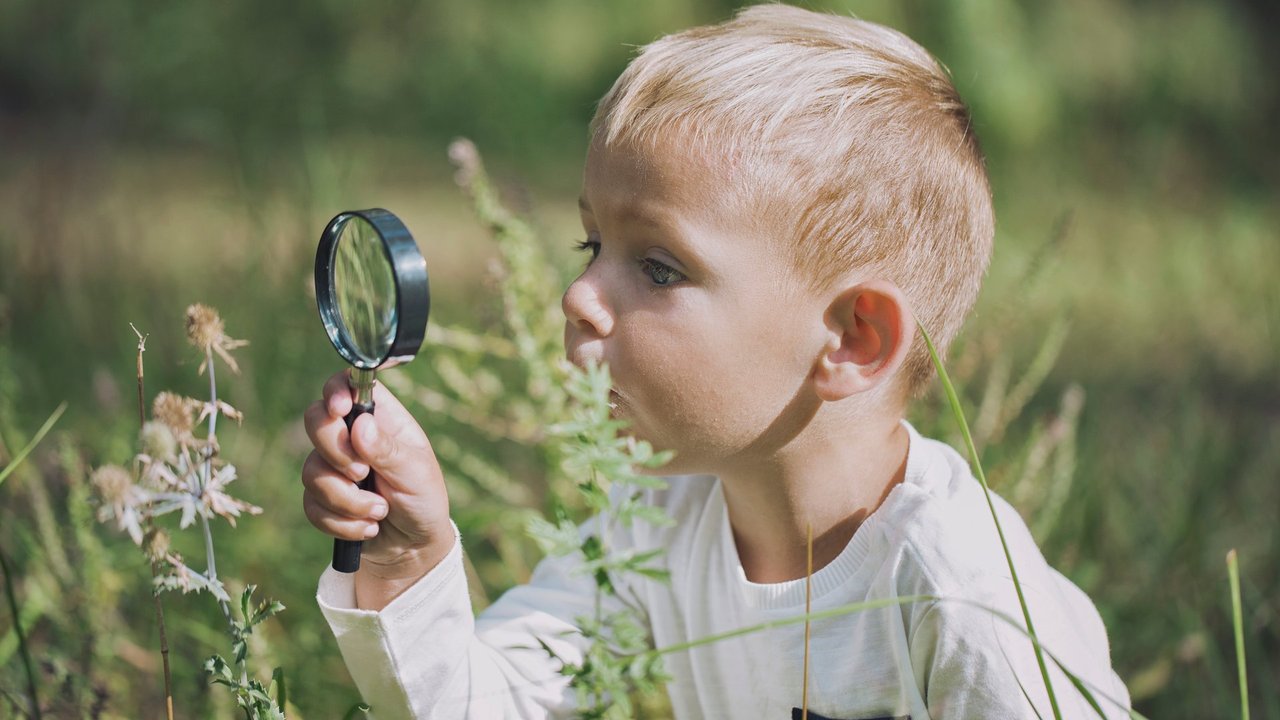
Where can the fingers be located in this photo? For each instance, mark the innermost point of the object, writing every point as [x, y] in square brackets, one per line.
[335, 504]
[337, 394]
[330, 437]
[331, 523]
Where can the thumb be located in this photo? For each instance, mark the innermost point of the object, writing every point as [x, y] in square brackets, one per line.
[394, 458]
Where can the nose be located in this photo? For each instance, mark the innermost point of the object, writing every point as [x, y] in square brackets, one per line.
[585, 308]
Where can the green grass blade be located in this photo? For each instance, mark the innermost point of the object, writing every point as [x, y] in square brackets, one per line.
[32, 684]
[796, 620]
[44, 430]
[954, 401]
[1233, 574]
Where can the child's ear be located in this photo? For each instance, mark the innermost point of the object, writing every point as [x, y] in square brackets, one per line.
[869, 332]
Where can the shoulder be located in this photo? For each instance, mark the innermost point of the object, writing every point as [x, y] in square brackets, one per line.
[942, 523]
[950, 549]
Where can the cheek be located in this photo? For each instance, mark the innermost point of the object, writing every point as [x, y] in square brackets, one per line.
[703, 389]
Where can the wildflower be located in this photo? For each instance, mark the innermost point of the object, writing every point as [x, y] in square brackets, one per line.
[157, 544]
[205, 331]
[465, 156]
[121, 499]
[158, 440]
[178, 413]
[223, 504]
[112, 482]
[209, 408]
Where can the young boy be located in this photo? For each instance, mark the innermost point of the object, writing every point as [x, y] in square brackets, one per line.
[771, 205]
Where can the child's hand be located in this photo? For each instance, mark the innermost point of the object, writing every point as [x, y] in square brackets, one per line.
[405, 524]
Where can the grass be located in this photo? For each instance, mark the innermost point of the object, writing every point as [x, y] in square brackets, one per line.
[1172, 456]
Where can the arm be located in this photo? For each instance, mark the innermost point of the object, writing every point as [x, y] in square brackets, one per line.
[404, 621]
[970, 663]
[424, 656]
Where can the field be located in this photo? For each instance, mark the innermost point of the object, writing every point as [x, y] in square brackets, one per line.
[1121, 368]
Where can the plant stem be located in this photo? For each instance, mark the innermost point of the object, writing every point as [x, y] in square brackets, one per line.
[954, 400]
[155, 566]
[22, 638]
[1233, 574]
[206, 475]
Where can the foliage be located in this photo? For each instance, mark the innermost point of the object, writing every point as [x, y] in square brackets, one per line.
[583, 449]
[176, 471]
[194, 152]
[251, 695]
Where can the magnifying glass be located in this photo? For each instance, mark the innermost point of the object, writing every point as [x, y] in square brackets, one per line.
[373, 296]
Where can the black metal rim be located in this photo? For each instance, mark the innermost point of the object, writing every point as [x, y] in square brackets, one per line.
[409, 270]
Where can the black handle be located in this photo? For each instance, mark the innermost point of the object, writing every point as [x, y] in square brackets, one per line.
[346, 553]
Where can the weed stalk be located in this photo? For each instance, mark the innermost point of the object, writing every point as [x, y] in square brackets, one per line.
[1233, 575]
[32, 684]
[155, 564]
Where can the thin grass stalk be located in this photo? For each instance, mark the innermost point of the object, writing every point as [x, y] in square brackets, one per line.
[796, 620]
[1233, 575]
[155, 565]
[32, 684]
[25, 451]
[954, 401]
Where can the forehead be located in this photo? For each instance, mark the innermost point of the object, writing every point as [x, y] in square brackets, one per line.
[639, 179]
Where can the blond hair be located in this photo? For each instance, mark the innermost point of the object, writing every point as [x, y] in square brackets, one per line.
[847, 131]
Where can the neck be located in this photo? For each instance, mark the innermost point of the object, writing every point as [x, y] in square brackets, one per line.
[827, 481]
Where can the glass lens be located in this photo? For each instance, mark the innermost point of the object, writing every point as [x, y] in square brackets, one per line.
[365, 288]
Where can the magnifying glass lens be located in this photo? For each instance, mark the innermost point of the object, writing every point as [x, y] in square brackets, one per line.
[364, 285]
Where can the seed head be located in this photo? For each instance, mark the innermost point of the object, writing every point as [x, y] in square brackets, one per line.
[157, 543]
[205, 331]
[204, 326]
[113, 483]
[175, 411]
[158, 440]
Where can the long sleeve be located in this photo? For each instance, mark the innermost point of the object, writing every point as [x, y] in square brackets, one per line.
[426, 656]
[974, 664]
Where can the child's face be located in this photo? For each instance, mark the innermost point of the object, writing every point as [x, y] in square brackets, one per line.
[710, 343]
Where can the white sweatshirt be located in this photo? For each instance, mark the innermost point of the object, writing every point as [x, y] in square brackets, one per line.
[424, 656]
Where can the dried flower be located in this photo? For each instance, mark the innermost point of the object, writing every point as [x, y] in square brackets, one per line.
[121, 499]
[178, 412]
[205, 331]
[112, 482]
[207, 409]
[156, 544]
[158, 440]
[464, 155]
[220, 503]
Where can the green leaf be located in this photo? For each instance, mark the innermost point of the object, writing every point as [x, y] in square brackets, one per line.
[277, 680]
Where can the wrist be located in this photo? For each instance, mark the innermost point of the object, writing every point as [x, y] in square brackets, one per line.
[381, 580]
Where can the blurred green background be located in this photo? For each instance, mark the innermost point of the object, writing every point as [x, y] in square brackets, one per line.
[157, 154]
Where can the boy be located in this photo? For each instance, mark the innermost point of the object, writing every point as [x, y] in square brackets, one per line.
[770, 205]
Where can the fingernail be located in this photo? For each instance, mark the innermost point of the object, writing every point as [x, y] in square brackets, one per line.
[379, 511]
[358, 471]
[371, 531]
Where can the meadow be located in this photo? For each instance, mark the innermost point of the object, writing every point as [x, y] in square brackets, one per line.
[1120, 370]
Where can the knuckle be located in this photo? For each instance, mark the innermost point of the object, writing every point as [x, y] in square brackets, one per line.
[313, 416]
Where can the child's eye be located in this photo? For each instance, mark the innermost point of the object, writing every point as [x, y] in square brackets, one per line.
[588, 244]
[660, 273]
